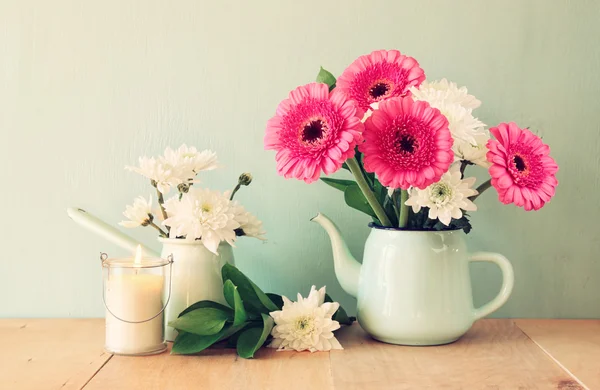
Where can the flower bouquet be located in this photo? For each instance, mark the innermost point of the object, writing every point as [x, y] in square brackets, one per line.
[408, 143]
[198, 226]
[207, 216]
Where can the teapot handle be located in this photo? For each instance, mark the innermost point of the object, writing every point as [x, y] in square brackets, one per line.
[508, 281]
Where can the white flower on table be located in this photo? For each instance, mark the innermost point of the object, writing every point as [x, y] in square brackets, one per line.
[306, 324]
[139, 214]
[447, 198]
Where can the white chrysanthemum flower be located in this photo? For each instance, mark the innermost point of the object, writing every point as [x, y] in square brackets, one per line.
[455, 104]
[306, 324]
[139, 214]
[461, 122]
[445, 198]
[249, 223]
[202, 214]
[188, 161]
[176, 167]
[159, 171]
[445, 91]
[473, 152]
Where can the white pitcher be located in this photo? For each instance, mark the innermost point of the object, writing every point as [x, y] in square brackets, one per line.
[196, 276]
[413, 287]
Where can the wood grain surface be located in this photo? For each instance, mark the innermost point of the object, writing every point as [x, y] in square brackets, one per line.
[494, 354]
[573, 344]
[50, 353]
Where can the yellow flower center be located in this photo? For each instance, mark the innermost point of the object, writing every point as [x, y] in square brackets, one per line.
[441, 193]
[305, 324]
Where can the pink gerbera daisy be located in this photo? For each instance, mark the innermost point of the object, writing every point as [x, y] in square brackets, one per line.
[378, 76]
[407, 143]
[313, 131]
[522, 171]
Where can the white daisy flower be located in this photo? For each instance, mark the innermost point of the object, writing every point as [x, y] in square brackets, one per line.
[139, 214]
[202, 214]
[445, 91]
[249, 223]
[445, 199]
[189, 161]
[306, 324]
[162, 174]
[455, 104]
[461, 122]
[473, 152]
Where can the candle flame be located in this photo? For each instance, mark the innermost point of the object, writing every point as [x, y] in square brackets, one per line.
[138, 255]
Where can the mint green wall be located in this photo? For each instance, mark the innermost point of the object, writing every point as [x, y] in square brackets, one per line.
[86, 87]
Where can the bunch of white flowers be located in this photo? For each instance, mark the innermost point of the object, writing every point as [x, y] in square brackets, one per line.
[193, 213]
[175, 167]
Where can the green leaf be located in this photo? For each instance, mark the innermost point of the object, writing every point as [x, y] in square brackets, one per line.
[340, 315]
[338, 184]
[276, 299]
[253, 297]
[356, 199]
[189, 343]
[381, 193]
[252, 339]
[326, 77]
[201, 304]
[232, 296]
[205, 321]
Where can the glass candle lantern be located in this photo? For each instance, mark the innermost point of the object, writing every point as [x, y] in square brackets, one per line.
[136, 292]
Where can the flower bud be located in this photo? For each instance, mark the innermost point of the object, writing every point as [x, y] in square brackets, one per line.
[245, 179]
[148, 221]
[183, 188]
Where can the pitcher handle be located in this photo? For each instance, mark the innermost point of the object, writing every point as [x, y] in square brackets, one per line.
[508, 281]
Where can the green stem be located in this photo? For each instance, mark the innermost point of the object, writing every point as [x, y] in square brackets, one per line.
[237, 187]
[484, 186]
[361, 180]
[403, 218]
[155, 226]
[161, 202]
[394, 201]
[463, 166]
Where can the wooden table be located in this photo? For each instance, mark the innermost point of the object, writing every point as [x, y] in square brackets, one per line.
[495, 354]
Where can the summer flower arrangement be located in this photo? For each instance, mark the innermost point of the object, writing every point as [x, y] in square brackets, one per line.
[213, 217]
[193, 213]
[407, 142]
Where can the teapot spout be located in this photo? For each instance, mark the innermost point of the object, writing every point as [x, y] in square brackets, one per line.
[347, 269]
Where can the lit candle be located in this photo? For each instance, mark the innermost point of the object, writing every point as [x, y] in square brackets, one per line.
[133, 296]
